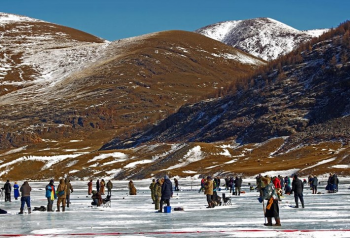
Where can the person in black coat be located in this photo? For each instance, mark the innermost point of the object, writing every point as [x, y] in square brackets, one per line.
[297, 188]
[238, 185]
[98, 185]
[7, 188]
[314, 185]
[176, 188]
[167, 192]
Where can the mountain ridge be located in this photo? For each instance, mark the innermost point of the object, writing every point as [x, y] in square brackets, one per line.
[265, 38]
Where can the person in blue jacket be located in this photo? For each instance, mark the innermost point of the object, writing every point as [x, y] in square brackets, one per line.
[50, 195]
[16, 190]
[167, 192]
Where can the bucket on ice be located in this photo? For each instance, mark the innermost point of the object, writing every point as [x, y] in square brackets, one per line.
[167, 209]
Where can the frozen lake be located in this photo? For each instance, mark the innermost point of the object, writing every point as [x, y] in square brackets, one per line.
[325, 215]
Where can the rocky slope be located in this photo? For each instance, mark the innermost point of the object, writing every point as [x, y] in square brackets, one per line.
[302, 99]
[265, 38]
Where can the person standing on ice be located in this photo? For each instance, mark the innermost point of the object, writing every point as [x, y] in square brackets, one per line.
[16, 190]
[61, 195]
[50, 195]
[287, 186]
[231, 184]
[277, 183]
[202, 185]
[157, 190]
[314, 185]
[90, 187]
[238, 185]
[176, 188]
[25, 197]
[69, 191]
[109, 188]
[272, 209]
[98, 185]
[167, 192]
[297, 188]
[7, 188]
[102, 187]
[132, 189]
[151, 187]
[209, 191]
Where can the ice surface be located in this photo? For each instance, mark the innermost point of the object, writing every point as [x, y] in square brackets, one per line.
[325, 215]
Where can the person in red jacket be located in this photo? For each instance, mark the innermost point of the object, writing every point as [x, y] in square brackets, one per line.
[278, 187]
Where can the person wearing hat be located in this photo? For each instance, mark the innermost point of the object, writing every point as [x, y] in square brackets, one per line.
[96, 198]
[132, 188]
[157, 191]
[272, 209]
[151, 187]
[209, 191]
[25, 197]
[297, 188]
[50, 195]
[7, 188]
[167, 192]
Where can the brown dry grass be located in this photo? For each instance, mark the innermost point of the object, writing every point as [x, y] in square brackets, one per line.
[251, 159]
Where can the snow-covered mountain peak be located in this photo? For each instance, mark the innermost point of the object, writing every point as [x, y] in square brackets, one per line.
[6, 18]
[219, 30]
[316, 32]
[263, 37]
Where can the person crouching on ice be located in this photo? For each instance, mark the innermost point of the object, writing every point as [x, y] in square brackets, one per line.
[96, 198]
[272, 209]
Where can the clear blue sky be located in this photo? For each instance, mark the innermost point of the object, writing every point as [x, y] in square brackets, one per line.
[117, 19]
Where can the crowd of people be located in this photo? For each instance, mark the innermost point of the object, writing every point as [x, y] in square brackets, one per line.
[162, 191]
[96, 197]
[271, 189]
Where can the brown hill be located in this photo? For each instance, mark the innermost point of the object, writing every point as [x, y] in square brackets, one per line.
[95, 91]
[286, 115]
[22, 38]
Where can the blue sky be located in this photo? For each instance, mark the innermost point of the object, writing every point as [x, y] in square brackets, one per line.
[117, 19]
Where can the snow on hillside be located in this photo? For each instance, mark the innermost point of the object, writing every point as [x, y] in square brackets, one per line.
[265, 38]
[316, 32]
[52, 55]
[220, 30]
[6, 18]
